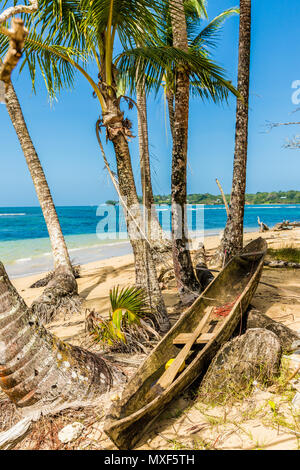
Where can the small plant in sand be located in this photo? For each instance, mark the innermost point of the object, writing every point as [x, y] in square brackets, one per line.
[127, 328]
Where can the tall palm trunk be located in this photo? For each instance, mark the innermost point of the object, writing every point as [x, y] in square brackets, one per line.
[39, 372]
[154, 230]
[146, 275]
[185, 276]
[232, 241]
[63, 286]
[170, 101]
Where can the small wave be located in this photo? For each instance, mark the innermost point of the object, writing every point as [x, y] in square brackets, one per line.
[23, 260]
[11, 215]
[215, 208]
[99, 245]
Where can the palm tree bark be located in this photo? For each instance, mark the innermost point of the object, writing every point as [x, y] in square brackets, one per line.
[39, 372]
[146, 276]
[170, 101]
[154, 230]
[183, 267]
[61, 292]
[232, 241]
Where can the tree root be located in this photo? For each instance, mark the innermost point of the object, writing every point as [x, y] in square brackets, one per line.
[45, 280]
[60, 298]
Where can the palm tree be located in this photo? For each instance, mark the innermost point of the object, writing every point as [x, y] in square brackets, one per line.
[194, 11]
[38, 371]
[232, 241]
[185, 275]
[155, 233]
[207, 82]
[92, 27]
[201, 40]
[179, 116]
[61, 293]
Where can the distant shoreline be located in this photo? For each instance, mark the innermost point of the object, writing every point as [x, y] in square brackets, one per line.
[94, 235]
[105, 203]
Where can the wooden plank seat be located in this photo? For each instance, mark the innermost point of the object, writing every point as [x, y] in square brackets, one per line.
[183, 338]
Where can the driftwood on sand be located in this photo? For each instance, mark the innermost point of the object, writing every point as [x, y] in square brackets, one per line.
[263, 227]
[39, 372]
[15, 434]
[286, 225]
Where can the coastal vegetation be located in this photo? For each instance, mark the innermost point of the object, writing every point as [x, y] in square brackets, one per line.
[274, 197]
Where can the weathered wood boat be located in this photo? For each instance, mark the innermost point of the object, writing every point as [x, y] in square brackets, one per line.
[223, 303]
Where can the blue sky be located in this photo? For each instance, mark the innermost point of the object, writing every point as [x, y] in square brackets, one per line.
[65, 139]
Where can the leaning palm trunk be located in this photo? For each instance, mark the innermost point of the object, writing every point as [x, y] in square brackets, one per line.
[61, 292]
[232, 241]
[155, 233]
[40, 373]
[185, 276]
[118, 129]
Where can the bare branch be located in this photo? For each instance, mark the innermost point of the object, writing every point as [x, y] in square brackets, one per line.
[11, 11]
[293, 144]
[17, 35]
[272, 125]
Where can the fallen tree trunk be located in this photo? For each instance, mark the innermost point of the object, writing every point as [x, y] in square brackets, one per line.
[286, 225]
[38, 372]
[287, 337]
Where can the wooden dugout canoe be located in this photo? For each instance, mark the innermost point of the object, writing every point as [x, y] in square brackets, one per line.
[230, 294]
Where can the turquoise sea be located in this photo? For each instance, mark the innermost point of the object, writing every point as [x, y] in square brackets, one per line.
[96, 232]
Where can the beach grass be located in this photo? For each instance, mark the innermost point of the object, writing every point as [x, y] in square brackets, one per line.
[289, 254]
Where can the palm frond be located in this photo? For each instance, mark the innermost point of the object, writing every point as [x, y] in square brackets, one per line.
[131, 300]
[211, 32]
[155, 62]
[195, 9]
[52, 60]
[128, 307]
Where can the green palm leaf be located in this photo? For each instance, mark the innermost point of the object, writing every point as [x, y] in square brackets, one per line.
[211, 32]
[155, 62]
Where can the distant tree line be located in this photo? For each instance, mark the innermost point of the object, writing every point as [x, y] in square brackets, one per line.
[280, 197]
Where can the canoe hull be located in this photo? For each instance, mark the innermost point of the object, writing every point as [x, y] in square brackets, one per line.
[125, 432]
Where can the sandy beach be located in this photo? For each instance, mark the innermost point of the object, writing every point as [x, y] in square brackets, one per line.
[97, 278]
[186, 424]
